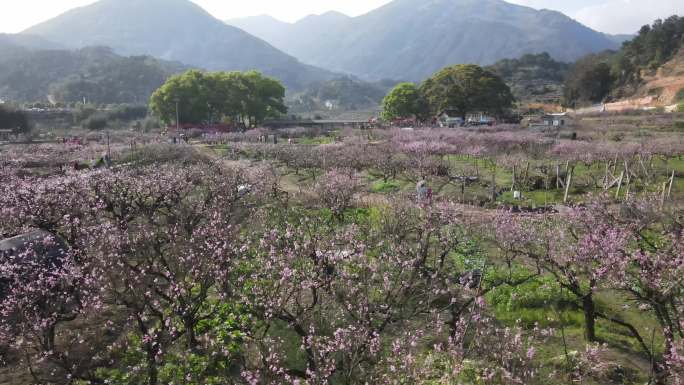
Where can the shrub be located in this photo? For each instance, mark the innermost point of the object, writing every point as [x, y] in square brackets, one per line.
[680, 107]
[336, 190]
[150, 123]
[128, 112]
[95, 122]
[679, 96]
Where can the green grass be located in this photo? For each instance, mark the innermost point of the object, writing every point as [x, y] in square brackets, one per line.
[316, 141]
[676, 164]
[538, 302]
[538, 198]
[679, 97]
[382, 187]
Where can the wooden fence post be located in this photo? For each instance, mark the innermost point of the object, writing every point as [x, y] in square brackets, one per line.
[567, 185]
[619, 187]
[514, 179]
[494, 184]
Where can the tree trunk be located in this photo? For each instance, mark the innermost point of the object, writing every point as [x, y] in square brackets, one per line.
[152, 371]
[49, 338]
[190, 335]
[589, 317]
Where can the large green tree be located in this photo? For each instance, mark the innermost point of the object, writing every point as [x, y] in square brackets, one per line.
[265, 97]
[242, 97]
[467, 88]
[589, 80]
[404, 101]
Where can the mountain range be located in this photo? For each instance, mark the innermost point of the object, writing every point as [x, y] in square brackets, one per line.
[176, 30]
[412, 39]
[403, 40]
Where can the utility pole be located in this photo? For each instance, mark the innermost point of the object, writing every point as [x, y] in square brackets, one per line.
[177, 115]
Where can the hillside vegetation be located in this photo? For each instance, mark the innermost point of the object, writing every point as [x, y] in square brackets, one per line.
[532, 77]
[341, 94]
[650, 57]
[411, 39]
[96, 74]
[176, 30]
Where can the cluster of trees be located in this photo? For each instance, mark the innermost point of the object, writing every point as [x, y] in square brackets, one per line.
[404, 100]
[171, 275]
[346, 94]
[594, 78]
[533, 77]
[652, 47]
[159, 259]
[590, 80]
[94, 118]
[195, 97]
[461, 88]
[531, 67]
[15, 120]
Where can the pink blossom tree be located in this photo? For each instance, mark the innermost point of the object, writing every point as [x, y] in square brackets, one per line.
[336, 190]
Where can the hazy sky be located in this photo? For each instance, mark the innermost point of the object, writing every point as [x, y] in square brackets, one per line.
[613, 16]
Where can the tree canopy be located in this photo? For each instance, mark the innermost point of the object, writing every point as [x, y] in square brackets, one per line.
[533, 77]
[619, 74]
[404, 101]
[589, 80]
[467, 88]
[531, 67]
[652, 47]
[208, 97]
[95, 73]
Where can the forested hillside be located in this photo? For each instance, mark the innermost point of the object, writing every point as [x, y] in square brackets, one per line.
[532, 77]
[96, 74]
[177, 30]
[654, 46]
[411, 39]
[341, 94]
[621, 74]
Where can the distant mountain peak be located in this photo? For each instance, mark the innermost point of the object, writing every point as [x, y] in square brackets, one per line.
[327, 17]
[411, 39]
[178, 30]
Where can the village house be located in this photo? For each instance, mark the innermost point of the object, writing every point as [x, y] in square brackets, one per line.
[452, 118]
[557, 120]
[549, 120]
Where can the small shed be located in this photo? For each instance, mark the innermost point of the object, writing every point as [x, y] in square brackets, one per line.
[557, 120]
